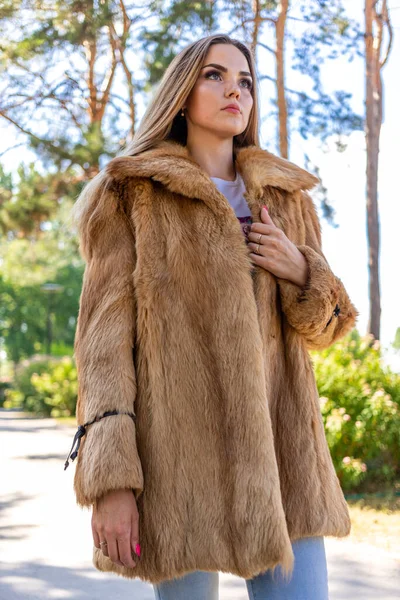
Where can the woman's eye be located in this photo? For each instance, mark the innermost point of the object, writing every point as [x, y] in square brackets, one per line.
[247, 81]
[212, 73]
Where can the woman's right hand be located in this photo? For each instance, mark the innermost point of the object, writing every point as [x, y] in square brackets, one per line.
[115, 519]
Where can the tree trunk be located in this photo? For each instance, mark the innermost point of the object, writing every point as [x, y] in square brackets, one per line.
[280, 79]
[374, 24]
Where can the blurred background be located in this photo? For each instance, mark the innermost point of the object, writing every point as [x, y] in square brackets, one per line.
[77, 75]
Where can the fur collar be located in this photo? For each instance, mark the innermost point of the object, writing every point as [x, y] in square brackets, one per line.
[170, 163]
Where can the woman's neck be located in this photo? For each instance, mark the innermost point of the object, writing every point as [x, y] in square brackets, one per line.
[215, 157]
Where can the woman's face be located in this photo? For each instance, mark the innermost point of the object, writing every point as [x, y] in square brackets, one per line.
[224, 79]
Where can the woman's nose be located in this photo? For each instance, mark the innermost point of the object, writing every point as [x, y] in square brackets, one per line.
[233, 89]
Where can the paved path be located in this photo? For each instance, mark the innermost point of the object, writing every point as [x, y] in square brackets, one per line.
[46, 540]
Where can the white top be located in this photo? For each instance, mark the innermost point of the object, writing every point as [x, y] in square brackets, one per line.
[233, 190]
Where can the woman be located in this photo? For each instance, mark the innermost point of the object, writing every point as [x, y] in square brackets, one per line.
[203, 447]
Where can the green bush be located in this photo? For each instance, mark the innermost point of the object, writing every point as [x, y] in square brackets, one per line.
[45, 386]
[57, 388]
[4, 386]
[360, 405]
[22, 392]
[61, 349]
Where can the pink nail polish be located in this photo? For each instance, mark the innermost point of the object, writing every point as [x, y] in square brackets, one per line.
[137, 549]
[265, 207]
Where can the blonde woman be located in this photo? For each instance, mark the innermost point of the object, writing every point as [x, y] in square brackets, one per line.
[202, 446]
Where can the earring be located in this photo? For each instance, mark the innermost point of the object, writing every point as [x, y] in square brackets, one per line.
[182, 113]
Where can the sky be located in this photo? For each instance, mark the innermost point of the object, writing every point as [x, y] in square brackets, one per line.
[343, 174]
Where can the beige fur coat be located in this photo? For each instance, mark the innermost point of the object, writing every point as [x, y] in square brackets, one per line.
[227, 457]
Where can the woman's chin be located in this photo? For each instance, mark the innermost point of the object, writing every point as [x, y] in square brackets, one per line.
[228, 131]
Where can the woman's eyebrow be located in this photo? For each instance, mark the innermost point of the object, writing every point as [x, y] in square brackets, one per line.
[224, 69]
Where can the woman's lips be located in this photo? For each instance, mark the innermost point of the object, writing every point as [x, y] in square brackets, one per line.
[232, 110]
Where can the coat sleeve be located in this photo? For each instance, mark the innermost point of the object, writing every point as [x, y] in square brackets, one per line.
[321, 311]
[108, 457]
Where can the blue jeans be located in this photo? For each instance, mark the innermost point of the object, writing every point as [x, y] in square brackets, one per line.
[309, 580]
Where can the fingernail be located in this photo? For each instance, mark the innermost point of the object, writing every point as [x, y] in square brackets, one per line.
[137, 549]
[265, 207]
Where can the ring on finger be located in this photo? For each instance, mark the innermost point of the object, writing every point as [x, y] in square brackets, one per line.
[257, 250]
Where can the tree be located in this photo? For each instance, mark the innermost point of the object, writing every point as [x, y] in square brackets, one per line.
[323, 32]
[59, 70]
[377, 21]
[177, 23]
[61, 65]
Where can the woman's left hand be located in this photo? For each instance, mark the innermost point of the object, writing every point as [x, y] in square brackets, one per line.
[276, 253]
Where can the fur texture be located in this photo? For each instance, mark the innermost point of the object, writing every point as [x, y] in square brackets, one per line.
[228, 458]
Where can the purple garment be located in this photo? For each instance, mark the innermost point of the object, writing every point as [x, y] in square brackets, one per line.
[245, 222]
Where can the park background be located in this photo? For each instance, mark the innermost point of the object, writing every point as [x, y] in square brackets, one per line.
[358, 378]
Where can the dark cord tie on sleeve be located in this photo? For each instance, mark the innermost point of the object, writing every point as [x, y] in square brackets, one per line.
[79, 434]
[336, 312]
[82, 430]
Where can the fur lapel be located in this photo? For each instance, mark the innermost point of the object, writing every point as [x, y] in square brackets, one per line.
[170, 163]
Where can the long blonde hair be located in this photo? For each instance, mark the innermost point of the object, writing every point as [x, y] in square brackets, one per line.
[162, 119]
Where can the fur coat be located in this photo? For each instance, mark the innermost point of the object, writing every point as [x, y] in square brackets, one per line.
[226, 455]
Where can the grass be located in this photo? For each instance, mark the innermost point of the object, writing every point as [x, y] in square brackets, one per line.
[376, 521]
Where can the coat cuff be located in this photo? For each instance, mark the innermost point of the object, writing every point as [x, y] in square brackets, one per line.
[321, 310]
[108, 460]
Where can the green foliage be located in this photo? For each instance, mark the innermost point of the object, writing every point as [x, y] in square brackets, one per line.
[62, 349]
[22, 319]
[58, 66]
[4, 386]
[27, 264]
[8, 8]
[94, 145]
[45, 386]
[360, 405]
[6, 190]
[24, 311]
[57, 389]
[179, 22]
[22, 393]
[327, 34]
[26, 207]
[396, 342]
